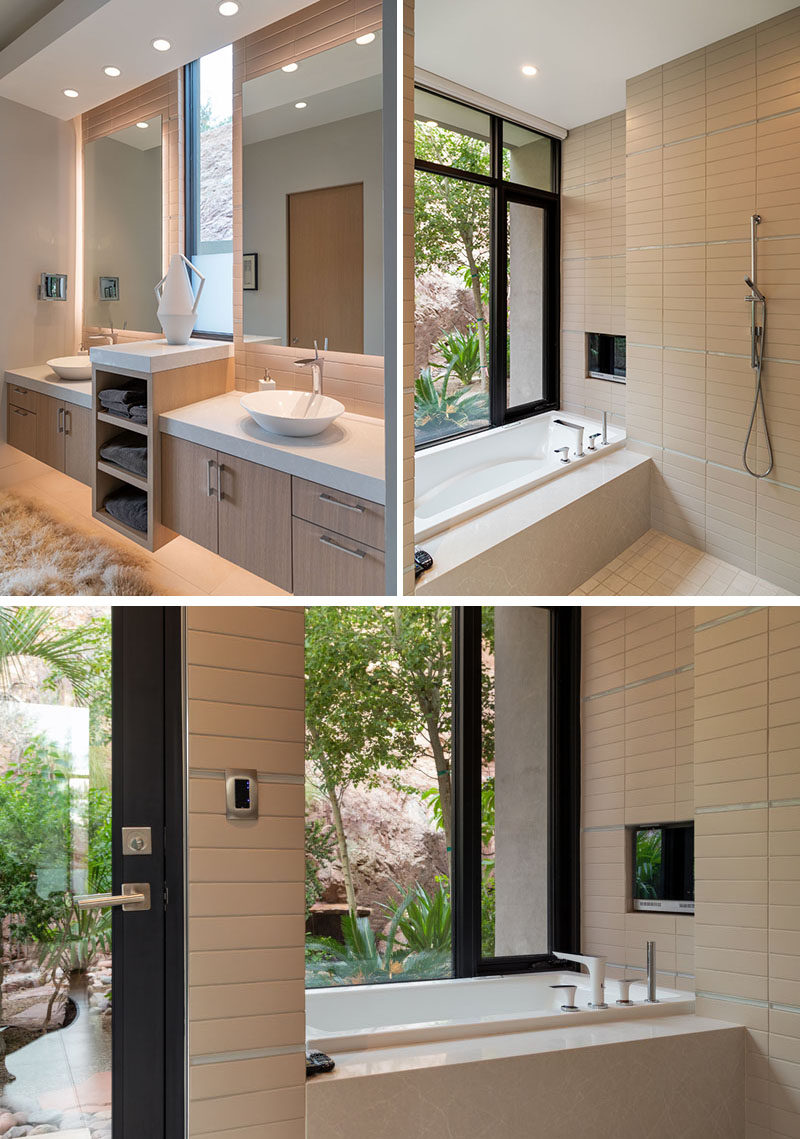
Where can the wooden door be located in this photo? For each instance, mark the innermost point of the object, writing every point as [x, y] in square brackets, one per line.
[50, 431]
[78, 457]
[255, 519]
[188, 473]
[22, 429]
[326, 268]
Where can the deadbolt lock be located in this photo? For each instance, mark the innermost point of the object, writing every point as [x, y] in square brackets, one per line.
[136, 840]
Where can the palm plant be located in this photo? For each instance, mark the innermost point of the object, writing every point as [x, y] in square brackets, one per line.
[31, 631]
[427, 919]
[462, 351]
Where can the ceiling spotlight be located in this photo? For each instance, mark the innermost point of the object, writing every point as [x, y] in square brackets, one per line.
[290, 67]
[112, 72]
[365, 39]
[300, 106]
[143, 126]
[162, 45]
[228, 8]
[529, 69]
[68, 91]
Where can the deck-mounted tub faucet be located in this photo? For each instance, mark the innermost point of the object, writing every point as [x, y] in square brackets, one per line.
[315, 363]
[652, 999]
[578, 431]
[596, 968]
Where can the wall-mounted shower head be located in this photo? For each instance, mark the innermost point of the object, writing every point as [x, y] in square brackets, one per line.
[754, 289]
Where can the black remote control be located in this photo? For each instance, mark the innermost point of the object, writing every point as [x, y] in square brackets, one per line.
[422, 561]
[318, 1062]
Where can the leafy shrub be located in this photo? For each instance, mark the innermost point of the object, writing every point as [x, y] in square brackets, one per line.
[461, 351]
[427, 919]
[440, 410]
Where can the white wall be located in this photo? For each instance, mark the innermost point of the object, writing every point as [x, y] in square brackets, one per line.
[122, 232]
[37, 234]
[331, 155]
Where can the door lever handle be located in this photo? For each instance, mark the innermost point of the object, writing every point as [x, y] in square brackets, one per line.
[134, 896]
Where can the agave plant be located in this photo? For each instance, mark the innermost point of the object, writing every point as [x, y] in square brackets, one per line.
[461, 350]
[360, 961]
[71, 944]
[439, 409]
[427, 919]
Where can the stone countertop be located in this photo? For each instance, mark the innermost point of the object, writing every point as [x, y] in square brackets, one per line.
[44, 380]
[145, 357]
[347, 456]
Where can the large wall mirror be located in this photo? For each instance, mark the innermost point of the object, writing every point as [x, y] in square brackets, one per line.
[122, 227]
[312, 202]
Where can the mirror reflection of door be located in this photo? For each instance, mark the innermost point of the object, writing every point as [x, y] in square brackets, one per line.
[326, 267]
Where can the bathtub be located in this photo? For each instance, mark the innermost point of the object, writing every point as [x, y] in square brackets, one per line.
[461, 478]
[354, 1018]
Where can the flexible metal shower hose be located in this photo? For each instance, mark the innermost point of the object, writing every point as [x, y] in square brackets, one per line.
[759, 399]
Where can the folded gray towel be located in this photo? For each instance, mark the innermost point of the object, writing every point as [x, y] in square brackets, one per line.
[128, 505]
[139, 414]
[126, 411]
[132, 392]
[128, 451]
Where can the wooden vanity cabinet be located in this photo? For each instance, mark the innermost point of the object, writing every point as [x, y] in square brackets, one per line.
[51, 430]
[238, 509]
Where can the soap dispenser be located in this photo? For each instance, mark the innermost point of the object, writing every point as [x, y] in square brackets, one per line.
[267, 384]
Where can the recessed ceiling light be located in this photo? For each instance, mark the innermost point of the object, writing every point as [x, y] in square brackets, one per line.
[228, 8]
[162, 45]
[365, 39]
[290, 67]
[112, 72]
[143, 126]
[300, 106]
[68, 91]
[529, 69]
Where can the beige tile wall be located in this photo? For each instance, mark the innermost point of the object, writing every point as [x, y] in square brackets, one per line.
[592, 259]
[711, 139]
[408, 296]
[696, 713]
[245, 690]
[354, 379]
[637, 699]
[163, 97]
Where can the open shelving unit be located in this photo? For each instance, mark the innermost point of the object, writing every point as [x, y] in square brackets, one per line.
[165, 390]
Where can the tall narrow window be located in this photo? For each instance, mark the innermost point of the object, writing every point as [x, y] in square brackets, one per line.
[487, 270]
[209, 186]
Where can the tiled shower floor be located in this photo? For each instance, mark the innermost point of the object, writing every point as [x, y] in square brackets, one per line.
[659, 566]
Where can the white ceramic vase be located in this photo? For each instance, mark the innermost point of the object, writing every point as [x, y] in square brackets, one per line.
[177, 304]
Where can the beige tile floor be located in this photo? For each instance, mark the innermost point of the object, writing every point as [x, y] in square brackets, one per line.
[179, 568]
[659, 566]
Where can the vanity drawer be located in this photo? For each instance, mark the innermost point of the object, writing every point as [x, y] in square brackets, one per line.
[21, 431]
[326, 564]
[344, 513]
[21, 397]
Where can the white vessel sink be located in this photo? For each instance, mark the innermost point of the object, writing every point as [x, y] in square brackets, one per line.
[290, 412]
[71, 367]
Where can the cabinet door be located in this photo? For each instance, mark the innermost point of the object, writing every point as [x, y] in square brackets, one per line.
[189, 490]
[78, 458]
[50, 431]
[326, 563]
[335, 510]
[22, 429]
[255, 519]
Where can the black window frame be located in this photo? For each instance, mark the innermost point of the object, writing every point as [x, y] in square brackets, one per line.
[564, 786]
[502, 193]
[191, 101]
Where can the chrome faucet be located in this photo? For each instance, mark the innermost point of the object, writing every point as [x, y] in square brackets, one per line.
[604, 440]
[652, 999]
[315, 363]
[596, 968]
[578, 431]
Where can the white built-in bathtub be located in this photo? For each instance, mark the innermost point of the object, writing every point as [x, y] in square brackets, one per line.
[463, 477]
[357, 1017]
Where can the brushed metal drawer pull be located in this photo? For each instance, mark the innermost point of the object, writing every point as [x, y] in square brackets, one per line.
[326, 541]
[60, 421]
[344, 505]
[22, 391]
[220, 468]
[67, 421]
[19, 411]
[210, 463]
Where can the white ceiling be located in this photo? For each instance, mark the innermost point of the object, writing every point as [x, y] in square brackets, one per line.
[584, 49]
[16, 16]
[70, 46]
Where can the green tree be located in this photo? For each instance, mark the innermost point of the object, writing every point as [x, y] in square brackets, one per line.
[452, 217]
[33, 631]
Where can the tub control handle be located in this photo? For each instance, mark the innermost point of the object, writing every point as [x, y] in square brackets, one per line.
[571, 990]
[564, 453]
[625, 991]
[592, 445]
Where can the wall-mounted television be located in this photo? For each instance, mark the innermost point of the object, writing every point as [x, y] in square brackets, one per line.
[663, 867]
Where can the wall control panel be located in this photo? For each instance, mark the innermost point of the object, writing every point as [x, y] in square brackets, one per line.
[241, 794]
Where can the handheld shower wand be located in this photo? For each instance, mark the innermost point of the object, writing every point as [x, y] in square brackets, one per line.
[757, 336]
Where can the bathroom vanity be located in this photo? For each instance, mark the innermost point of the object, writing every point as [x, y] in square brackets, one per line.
[307, 513]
